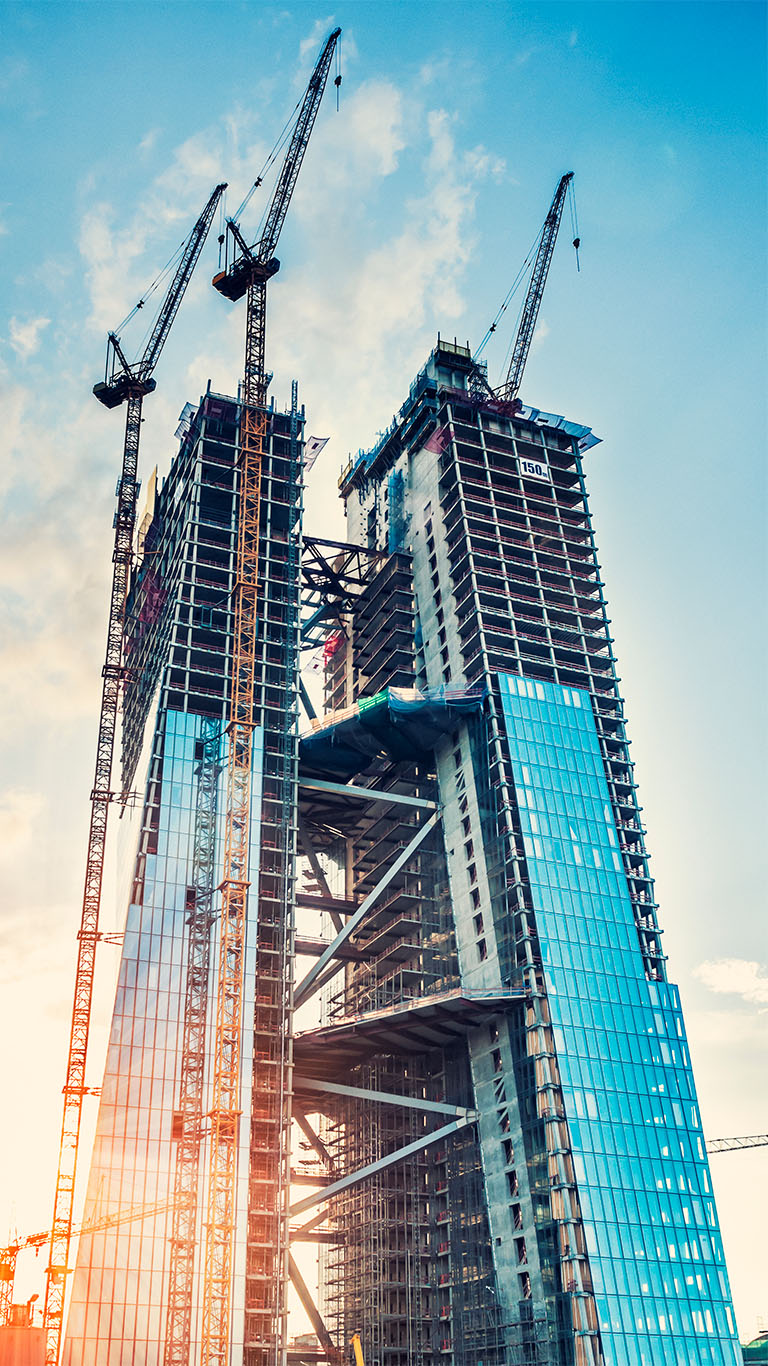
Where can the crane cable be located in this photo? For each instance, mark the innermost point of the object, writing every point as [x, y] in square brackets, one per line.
[526, 266]
[574, 221]
[285, 134]
[276, 150]
[282, 139]
[159, 279]
[156, 283]
[337, 77]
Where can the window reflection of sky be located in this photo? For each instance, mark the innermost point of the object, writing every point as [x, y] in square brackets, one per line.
[650, 1221]
[120, 1282]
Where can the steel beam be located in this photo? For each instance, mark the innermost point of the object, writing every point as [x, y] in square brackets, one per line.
[303, 1232]
[373, 1167]
[314, 863]
[308, 947]
[335, 1088]
[312, 1312]
[310, 984]
[324, 610]
[370, 794]
[306, 702]
[339, 904]
[312, 1138]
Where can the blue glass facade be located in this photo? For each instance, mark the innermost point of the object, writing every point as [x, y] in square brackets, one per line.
[652, 1235]
[119, 1286]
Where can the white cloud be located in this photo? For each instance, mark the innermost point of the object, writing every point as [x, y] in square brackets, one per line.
[25, 336]
[122, 258]
[726, 1029]
[735, 977]
[310, 46]
[19, 811]
[16, 401]
[540, 335]
[148, 142]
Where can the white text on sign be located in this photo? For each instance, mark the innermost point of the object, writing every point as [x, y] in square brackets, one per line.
[535, 469]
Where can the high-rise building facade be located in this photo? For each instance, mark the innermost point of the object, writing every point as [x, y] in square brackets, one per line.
[138, 1283]
[512, 969]
[462, 999]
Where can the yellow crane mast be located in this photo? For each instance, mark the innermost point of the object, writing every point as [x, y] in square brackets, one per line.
[270, 1114]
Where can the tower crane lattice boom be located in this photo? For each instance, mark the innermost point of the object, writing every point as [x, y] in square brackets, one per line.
[535, 293]
[726, 1145]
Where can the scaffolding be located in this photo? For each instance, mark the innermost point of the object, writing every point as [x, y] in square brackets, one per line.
[401, 1264]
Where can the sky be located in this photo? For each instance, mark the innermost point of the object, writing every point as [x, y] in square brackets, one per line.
[416, 205]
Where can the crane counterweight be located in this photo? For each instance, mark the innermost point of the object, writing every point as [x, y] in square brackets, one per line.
[233, 283]
[112, 395]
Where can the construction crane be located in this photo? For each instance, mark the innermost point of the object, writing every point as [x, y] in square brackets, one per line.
[125, 383]
[727, 1145]
[9, 1254]
[547, 239]
[248, 274]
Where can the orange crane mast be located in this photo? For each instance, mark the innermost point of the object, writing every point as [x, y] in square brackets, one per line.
[270, 1116]
[127, 383]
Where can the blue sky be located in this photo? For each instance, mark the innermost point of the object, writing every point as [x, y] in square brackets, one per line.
[416, 205]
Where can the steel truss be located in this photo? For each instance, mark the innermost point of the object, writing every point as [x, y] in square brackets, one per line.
[333, 575]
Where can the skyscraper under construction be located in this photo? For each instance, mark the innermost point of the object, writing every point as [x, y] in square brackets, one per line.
[454, 981]
[510, 973]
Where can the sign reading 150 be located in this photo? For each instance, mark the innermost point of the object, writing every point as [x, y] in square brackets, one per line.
[535, 469]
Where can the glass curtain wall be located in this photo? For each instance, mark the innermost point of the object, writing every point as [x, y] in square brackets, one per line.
[119, 1292]
[651, 1226]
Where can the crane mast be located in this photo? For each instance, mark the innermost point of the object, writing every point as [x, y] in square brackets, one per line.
[270, 1117]
[126, 384]
[532, 304]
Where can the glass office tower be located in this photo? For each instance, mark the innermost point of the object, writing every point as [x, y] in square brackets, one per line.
[136, 1292]
[574, 1222]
